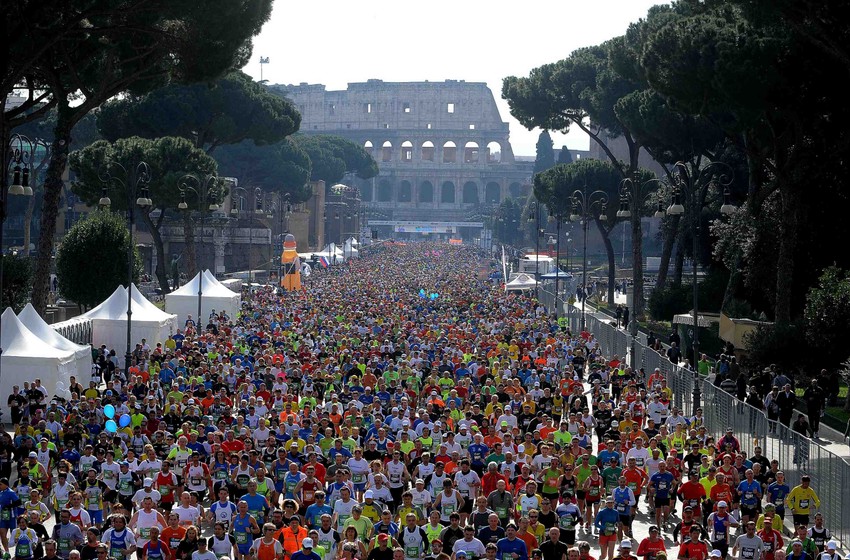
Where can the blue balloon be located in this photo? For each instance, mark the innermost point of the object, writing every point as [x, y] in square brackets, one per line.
[109, 411]
[111, 426]
[124, 421]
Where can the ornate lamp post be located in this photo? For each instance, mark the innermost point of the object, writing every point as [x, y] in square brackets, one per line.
[134, 182]
[17, 159]
[205, 190]
[584, 202]
[690, 186]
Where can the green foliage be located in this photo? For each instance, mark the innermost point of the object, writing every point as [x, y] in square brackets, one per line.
[284, 166]
[556, 186]
[778, 344]
[168, 158]
[17, 281]
[826, 316]
[545, 152]
[564, 155]
[669, 301]
[332, 157]
[92, 260]
[228, 111]
[507, 222]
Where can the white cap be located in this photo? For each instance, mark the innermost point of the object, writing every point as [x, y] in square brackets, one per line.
[716, 554]
[405, 422]
[832, 545]
[625, 543]
[148, 481]
[368, 494]
[307, 543]
[722, 503]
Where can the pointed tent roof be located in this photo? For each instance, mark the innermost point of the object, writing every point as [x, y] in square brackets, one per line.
[19, 341]
[522, 281]
[115, 307]
[30, 318]
[211, 287]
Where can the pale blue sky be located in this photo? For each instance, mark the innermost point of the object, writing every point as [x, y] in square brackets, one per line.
[335, 42]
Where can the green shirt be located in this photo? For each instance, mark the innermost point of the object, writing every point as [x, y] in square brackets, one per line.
[611, 475]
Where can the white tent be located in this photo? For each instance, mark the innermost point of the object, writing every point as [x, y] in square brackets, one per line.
[27, 357]
[350, 248]
[184, 300]
[109, 321]
[39, 327]
[522, 281]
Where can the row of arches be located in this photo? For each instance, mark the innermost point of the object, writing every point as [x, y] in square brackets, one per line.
[449, 152]
[447, 193]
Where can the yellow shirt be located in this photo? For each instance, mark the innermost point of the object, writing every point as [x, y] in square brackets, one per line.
[708, 484]
[776, 522]
[801, 500]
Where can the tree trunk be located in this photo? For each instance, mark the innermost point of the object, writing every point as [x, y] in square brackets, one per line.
[671, 227]
[189, 246]
[53, 185]
[28, 222]
[637, 264]
[612, 260]
[161, 271]
[679, 263]
[785, 253]
[734, 274]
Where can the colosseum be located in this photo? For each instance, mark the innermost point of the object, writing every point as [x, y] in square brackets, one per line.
[443, 150]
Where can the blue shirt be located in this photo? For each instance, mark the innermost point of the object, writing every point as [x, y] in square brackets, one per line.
[477, 453]
[314, 514]
[607, 521]
[506, 547]
[662, 482]
[777, 493]
[748, 490]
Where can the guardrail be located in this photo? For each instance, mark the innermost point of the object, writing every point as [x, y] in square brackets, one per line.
[797, 454]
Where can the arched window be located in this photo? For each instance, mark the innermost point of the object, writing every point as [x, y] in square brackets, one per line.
[405, 191]
[494, 152]
[447, 193]
[449, 152]
[493, 193]
[426, 192]
[427, 151]
[387, 151]
[385, 191]
[515, 190]
[470, 152]
[470, 193]
[368, 147]
[407, 151]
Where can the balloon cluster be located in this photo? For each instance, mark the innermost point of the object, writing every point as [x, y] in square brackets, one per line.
[425, 295]
[111, 425]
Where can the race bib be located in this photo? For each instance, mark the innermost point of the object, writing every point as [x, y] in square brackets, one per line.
[358, 478]
[145, 532]
[804, 504]
[194, 481]
[411, 552]
[116, 553]
[241, 537]
[621, 508]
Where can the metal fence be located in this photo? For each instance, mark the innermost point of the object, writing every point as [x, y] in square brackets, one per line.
[797, 455]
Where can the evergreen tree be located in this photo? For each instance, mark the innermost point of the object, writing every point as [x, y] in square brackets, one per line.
[565, 156]
[545, 153]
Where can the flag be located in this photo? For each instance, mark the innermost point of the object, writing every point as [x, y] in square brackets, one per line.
[324, 262]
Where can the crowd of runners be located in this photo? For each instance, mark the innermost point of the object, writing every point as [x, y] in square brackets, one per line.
[401, 407]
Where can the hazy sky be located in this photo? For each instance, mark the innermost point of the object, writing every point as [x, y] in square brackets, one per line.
[334, 42]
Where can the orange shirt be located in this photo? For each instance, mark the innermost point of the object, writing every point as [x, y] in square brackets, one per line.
[721, 492]
[635, 479]
[529, 539]
[172, 537]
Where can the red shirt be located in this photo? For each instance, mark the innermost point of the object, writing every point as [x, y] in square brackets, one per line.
[693, 493]
[649, 549]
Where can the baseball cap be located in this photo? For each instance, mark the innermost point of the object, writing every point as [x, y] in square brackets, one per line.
[832, 545]
[722, 503]
[148, 481]
[33, 455]
[625, 543]
[383, 537]
[307, 543]
[716, 554]
[368, 494]
[460, 553]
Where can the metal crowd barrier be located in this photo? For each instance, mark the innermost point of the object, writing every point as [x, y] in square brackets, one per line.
[797, 454]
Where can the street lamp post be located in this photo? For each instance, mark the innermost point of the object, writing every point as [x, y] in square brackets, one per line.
[536, 209]
[581, 200]
[692, 187]
[205, 189]
[632, 198]
[17, 157]
[134, 182]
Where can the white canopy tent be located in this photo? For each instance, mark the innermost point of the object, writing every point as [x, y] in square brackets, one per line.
[521, 282]
[109, 321]
[27, 357]
[30, 318]
[350, 250]
[184, 300]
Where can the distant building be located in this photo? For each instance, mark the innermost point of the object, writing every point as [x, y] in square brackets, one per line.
[443, 150]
